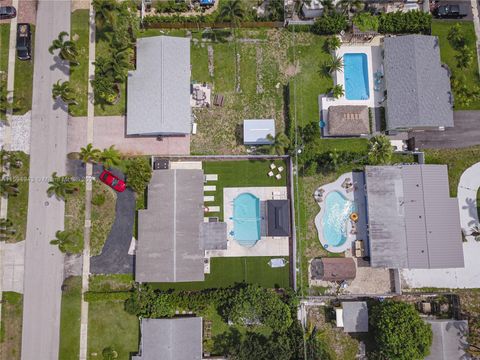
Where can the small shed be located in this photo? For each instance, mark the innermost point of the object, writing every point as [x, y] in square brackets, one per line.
[255, 131]
[348, 120]
[353, 316]
[333, 269]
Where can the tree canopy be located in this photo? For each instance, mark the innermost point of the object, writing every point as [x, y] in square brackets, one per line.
[139, 173]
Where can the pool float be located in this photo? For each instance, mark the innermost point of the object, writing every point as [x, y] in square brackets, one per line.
[354, 216]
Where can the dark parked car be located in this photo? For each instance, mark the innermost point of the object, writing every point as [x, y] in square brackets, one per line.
[7, 12]
[450, 11]
[111, 180]
[24, 42]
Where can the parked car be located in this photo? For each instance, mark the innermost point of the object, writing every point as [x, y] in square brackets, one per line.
[7, 12]
[111, 180]
[450, 11]
[24, 42]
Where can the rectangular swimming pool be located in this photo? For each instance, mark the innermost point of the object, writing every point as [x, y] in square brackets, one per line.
[355, 70]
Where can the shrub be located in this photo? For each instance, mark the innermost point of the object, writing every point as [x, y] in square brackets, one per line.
[98, 200]
[139, 173]
[330, 24]
[171, 6]
[366, 21]
[412, 22]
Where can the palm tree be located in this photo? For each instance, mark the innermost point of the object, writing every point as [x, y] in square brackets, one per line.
[380, 150]
[234, 12]
[64, 92]
[464, 57]
[89, 154]
[119, 65]
[332, 65]
[332, 43]
[67, 241]
[109, 353]
[68, 48]
[60, 186]
[347, 6]
[7, 186]
[277, 145]
[110, 157]
[6, 229]
[337, 91]
[105, 13]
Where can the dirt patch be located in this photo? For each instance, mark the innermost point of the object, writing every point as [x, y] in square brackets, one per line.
[80, 4]
[292, 70]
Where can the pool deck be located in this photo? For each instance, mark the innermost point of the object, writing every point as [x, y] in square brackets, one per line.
[267, 245]
[357, 196]
[374, 61]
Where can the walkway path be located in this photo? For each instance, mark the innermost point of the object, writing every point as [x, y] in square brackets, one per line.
[468, 276]
[88, 193]
[44, 262]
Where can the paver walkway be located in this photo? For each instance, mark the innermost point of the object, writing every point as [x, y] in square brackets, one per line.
[469, 276]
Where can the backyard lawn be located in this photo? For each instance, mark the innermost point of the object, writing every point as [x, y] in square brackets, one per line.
[240, 173]
[70, 318]
[102, 216]
[11, 333]
[18, 205]
[4, 42]
[110, 326]
[226, 271]
[23, 84]
[79, 74]
[441, 28]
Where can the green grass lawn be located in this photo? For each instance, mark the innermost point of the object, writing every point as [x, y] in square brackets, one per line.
[70, 319]
[11, 332]
[4, 42]
[24, 81]
[440, 28]
[79, 74]
[112, 282]
[18, 205]
[240, 174]
[102, 217]
[227, 271]
[75, 211]
[110, 325]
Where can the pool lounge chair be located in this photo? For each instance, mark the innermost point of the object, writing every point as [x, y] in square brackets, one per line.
[211, 177]
[208, 198]
[278, 176]
[270, 173]
[272, 166]
[209, 188]
[280, 168]
[213, 208]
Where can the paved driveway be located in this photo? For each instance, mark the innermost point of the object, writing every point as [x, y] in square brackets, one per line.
[466, 132]
[465, 3]
[110, 130]
[26, 11]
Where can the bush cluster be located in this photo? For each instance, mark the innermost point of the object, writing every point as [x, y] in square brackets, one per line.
[411, 22]
[330, 24]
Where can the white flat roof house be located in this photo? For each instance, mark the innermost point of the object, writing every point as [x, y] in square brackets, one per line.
[158, 91]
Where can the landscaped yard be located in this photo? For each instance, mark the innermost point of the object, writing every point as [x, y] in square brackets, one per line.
[18, 205]
[75, 211]
[227, 271]
[110, 326]
[102, 216]
[4, 42]
[70, 318]
[240, 173]
[441, 28]
[79, 74]
[11, 333]
[24, 81]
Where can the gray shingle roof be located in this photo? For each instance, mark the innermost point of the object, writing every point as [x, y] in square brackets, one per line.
[158, 99]
[449, 340]
[355, 316]
[171, 339]
[255, 131]
[348, 120]
[413, 222]
[168, 230]
[418, 87]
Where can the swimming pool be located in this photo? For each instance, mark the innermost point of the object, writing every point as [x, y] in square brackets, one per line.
[355, 70]
[335, 218]
[246, 219]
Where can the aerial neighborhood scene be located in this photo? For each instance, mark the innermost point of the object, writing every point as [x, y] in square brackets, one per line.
[239, 179]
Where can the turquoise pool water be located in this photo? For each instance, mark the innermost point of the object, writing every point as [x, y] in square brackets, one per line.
[355, 70]
[246, 219]
[335, 217]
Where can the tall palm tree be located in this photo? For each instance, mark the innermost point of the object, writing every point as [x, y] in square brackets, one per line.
[60, 186]
[110, 157]
[7, 186]
[105, 13]
[6, 229]
[64, 92]
[347, 6]
[380, 150]
[333, 64]
[89, 154]
[67, 241]
[234, 12]
[277, 145]
[68, 48]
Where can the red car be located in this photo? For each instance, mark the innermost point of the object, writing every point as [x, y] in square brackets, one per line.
[111, 180]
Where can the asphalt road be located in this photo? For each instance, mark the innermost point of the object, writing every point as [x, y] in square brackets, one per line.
[43, 262]
[466, 132]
